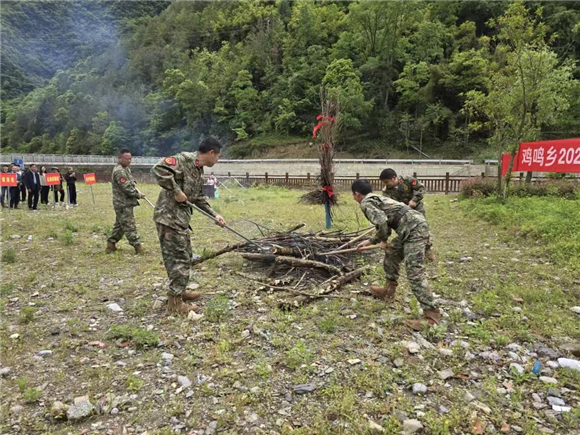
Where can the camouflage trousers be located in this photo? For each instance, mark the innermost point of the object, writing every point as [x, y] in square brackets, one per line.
[412, 251]
[177, 257]
[421, 209]
[125, 225]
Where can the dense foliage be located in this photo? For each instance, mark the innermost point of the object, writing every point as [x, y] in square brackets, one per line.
[89, 77]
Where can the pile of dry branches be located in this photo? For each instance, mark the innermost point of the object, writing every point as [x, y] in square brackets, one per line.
[305, 265]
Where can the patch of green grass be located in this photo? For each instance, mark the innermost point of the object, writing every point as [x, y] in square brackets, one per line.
[6, 288]
[553, 221]
[217, 308]
[27, 314]
[31, 395]
[263, 369]
[69, 226]
[298, 355]
[67, 237]
[140, 337]
[134, 384]
[9, 256]
[22, 383]
[328, 324]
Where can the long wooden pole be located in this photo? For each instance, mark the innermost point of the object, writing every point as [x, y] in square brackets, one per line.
[344, 251]
[356, 239]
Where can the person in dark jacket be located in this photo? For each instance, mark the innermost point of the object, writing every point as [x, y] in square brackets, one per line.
[4, 188]
[71, 179]
[32, 182]
[21, 185]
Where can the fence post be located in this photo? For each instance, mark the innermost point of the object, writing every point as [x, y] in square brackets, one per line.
[357, 175]
[483, 175]
[414, 174]
[308, 177]
[286, 179]
[248, 177]
[446, 183]
[521, 177]
[266, 178]
[229, 174]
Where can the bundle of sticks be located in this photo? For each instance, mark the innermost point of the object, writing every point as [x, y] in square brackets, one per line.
[307, 266]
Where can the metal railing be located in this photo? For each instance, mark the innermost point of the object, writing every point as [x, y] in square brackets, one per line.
[69, 159]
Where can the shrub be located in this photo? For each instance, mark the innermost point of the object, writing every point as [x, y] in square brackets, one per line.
[478, 187]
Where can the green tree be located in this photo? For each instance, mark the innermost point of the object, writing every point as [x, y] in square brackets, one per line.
[115, 138]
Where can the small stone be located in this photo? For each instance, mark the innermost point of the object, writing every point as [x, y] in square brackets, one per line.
[304, 388]
[81, 408]
[561, 408]
[546, 352]
[353, 362]
[188, 394]
[184, 381]
[518, 368]
[5, 371]
[399, 362]
[468, 397]
[536, 398]
[15, 336]
[15, 236]
[419, 388]
[45, 353]
[375, 428]
[569, 363]
[167, 356]
[548, 380]
[15, 410]
[58, 410]
[412, 347]
[114, 307]
[552, 364]
[211, 428]
[194, 316]
[482, 406]
[114, 411]
[465, 259]
[174, 420]
[446, 374]
[469, 356]
[411, 426]
[255, 390]
[556, 401]
[576, 310]
[252, 418]
[445, 352]
[157, 304]
[443, 410]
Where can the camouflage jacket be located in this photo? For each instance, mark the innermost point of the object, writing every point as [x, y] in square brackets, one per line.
[180, 173]
[383, 212]
[408, 189]
[125, 194]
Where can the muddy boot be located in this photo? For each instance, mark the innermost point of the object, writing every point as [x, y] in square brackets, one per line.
[430, 318]
[139, 250]
[175, 305]
[430, 255]
[386, 293]
[190, 296]
[111, 247]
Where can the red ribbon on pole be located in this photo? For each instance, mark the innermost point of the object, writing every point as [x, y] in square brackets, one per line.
[322, 120]
[329, 190]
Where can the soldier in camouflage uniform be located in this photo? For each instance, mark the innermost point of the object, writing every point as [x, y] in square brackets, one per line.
[407, 190]
[412, 236]
[181, 179]
[125, 198]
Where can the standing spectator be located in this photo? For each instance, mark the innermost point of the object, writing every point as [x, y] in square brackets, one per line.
[58, 188]
[44, 189]
[4, 188]
[211, 186]
[32, 182]
[21, 185]
[14, 191]
[71, 179]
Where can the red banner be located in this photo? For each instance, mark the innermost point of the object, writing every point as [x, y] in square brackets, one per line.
[52, 179]
[8, 180]
[90, 178]
[545, 156]
[550, 156]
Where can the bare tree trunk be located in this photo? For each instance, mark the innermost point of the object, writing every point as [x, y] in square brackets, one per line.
[529, 175]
